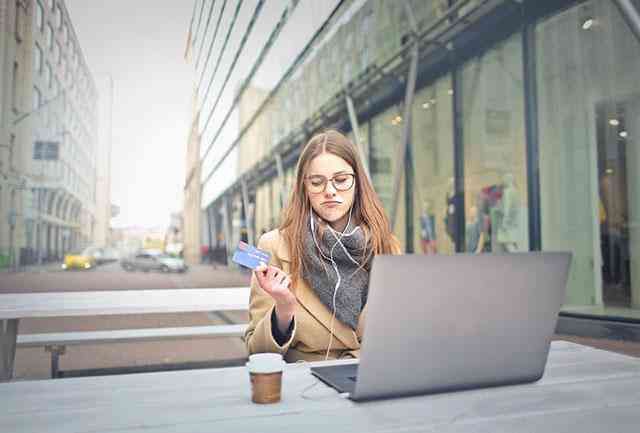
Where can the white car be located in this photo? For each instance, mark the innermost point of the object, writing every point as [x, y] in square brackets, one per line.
[153, 261]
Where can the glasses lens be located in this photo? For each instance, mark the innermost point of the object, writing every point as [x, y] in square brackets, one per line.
[316, 184]
[343, 182]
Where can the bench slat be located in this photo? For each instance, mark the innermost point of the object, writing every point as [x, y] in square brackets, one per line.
[128, 335]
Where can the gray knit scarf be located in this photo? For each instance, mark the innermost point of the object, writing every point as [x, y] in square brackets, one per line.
[347, 255]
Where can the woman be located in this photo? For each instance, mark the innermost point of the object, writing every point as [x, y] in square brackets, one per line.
[309, 302]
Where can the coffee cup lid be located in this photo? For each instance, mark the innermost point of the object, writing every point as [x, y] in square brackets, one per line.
[265, 367]
[265, 357]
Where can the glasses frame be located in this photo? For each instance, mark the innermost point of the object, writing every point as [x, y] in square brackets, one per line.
[326, 181]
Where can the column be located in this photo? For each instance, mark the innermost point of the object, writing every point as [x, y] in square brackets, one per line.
[633, 196]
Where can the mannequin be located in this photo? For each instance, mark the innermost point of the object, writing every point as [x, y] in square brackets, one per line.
[485, 217]
[508, 223]
[452, 207]
[473, 230]
[427, 229]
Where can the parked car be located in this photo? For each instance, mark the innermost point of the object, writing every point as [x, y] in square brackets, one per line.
[79, 260]
[96, 252]
[110, 254]
[153, 261]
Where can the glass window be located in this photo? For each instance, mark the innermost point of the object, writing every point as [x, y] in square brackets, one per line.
[495, 186]
[38, 150]
[588, 64]
[37, 59]
[432, 156]
[49, 36]
[59, 16]
[55, 52]
[19, 30]
[37, 98]
[48, 75]
[386, 133]
[39, 16]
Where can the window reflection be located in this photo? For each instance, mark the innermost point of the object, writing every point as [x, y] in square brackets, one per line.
[494, 151]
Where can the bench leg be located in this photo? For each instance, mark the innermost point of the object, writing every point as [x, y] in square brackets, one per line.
[56, 350]
[8, 336]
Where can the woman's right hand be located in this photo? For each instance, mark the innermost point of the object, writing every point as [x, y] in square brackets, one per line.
[277, 284]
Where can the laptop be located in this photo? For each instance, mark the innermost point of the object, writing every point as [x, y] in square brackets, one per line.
[438, 323]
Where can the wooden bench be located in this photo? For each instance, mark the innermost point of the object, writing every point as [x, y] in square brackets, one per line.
[16, 306]
[56, 342]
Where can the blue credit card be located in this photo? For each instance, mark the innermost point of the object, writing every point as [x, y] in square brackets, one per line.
[249, 256]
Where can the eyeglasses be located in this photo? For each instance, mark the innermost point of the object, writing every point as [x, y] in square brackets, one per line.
[341, 182]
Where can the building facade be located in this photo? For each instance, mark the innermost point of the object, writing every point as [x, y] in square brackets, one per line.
[49, 133]
[487, 127]
[192, 221]
[104, 210]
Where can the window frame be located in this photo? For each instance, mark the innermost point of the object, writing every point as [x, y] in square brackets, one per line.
[50, 37]
[39, 16]
[15, 89]
[37, 96]
[38, 54]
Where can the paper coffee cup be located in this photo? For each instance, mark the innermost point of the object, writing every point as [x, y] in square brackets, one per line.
[265, 372]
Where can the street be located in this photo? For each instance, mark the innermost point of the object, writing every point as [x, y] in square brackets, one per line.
[111, 276]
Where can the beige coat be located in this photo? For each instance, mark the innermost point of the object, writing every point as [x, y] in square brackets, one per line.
[310, 337]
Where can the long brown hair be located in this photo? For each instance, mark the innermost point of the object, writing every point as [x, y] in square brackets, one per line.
[367, 210]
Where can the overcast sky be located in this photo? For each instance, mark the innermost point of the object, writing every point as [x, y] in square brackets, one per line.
[141, 44]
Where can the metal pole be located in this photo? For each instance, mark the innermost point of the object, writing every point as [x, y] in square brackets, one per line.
[8, 337]
[247, 212]
[408, 104]
[631, 16]
[226, 218]
[39, 231]
[531, 134]
[283, 190]
[353, 118]
[12, 254]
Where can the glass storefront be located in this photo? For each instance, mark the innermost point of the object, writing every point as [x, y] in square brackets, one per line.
[588, 65]
[386, 134]
[588, 106]
[432, 152]
[495, 177]
[541, 121]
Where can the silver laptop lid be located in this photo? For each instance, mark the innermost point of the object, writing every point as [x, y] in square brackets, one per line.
[440, 323]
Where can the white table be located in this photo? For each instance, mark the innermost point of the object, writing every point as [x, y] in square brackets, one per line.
[16, 306]
[583, 390]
